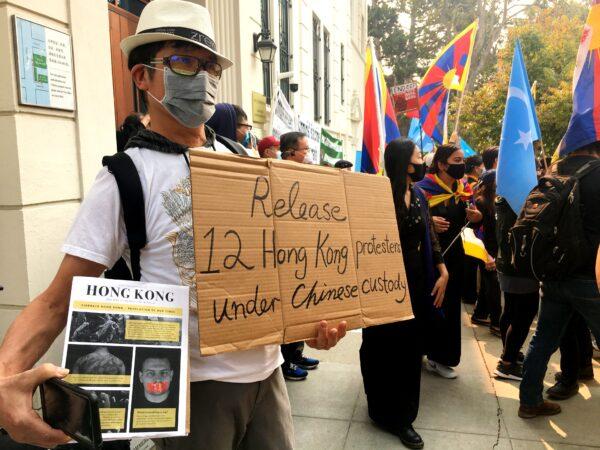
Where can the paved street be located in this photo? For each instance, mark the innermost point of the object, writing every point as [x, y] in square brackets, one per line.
[472, 412]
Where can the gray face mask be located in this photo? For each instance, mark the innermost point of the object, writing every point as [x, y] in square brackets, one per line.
[190, 100]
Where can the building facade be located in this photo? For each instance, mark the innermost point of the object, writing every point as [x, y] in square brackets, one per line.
[318, 66]
[51, 155]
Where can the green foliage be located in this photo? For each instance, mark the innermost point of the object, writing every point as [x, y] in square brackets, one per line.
[550, 38]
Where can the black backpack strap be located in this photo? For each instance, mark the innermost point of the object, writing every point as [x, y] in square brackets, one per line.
[587, 168]
[132, 200]
[232, 146]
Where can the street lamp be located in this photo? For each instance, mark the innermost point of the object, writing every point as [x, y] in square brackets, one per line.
[265, 46]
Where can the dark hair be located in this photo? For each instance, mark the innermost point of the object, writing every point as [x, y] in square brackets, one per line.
[442, 154]
[472, 162]
[490, 155]
[594, 147]
[288, 143]
[145, 53]
[397, 156]
[240, 114]
[486, 191]
[343, 164]
[130, 127]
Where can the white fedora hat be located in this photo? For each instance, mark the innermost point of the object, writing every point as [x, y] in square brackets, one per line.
[175, 20]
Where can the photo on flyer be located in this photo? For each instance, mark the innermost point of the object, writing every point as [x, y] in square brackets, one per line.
[125, 329]
[99, 365]
[155, 389]
[113, 406]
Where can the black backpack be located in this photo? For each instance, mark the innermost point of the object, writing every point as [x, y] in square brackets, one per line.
[548, 241]
[134, 213]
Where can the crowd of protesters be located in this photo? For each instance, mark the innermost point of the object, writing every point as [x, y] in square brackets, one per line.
[234, 396]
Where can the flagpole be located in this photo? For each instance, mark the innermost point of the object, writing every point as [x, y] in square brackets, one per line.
[544, 157]
[458, 111]
[446, 118]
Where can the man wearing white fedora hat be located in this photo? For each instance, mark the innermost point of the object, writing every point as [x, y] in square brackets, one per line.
[238, 399]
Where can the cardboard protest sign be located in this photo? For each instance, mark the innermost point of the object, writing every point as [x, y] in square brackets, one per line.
[379, 264]
[280, 246]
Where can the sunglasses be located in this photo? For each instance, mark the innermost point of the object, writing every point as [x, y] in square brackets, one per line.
[189, 66]
[245, 125]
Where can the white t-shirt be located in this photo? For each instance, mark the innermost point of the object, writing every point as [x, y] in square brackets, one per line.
[98, 234]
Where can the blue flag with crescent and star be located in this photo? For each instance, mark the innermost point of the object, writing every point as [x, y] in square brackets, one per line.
[516, 174]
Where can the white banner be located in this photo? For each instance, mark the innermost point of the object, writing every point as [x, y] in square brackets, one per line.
[284, 119]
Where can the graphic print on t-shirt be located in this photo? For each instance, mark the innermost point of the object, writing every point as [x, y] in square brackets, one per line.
[177, 203]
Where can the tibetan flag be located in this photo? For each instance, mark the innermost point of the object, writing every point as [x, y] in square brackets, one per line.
[473, 246]
[380, 126]
[584, 127]
[449, 71]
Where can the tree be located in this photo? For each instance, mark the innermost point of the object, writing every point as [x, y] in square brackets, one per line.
[549, 36]
[408, 34]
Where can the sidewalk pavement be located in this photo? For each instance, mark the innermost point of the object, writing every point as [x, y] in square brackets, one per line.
[474, 411]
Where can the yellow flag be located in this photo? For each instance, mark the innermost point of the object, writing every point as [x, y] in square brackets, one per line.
[473, 245]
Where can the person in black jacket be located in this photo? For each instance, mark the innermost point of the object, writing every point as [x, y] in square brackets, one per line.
[579, 292]
[474, 169]
[451, 205]
[521, 298]
[488, 301]
[392, 373]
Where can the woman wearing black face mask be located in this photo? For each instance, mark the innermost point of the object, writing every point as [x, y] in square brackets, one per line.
[392, 376]
[451, 205]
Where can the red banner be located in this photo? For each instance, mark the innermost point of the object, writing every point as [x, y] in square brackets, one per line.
[406, 97]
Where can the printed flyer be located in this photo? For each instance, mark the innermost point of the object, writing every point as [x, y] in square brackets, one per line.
[127, 342]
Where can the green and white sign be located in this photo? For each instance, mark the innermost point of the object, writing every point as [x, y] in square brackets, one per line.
[45, 66]
[332, 149]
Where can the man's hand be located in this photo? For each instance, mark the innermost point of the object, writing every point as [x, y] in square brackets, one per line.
[440, 224]
[327, 337]
[17, 416]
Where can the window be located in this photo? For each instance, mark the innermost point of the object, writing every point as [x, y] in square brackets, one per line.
[326, 84]
[284, 46]
[342, 73]
[317, 68]
[265, 29]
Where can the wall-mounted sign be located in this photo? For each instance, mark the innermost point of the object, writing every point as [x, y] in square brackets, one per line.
[259, 108]
[45, 65]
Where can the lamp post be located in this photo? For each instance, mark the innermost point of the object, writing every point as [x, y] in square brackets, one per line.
[264, 45]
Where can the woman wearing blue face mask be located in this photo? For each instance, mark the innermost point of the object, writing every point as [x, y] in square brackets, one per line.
[243, 132]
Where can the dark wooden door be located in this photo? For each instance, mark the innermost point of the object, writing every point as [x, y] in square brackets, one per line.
[122, 24]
